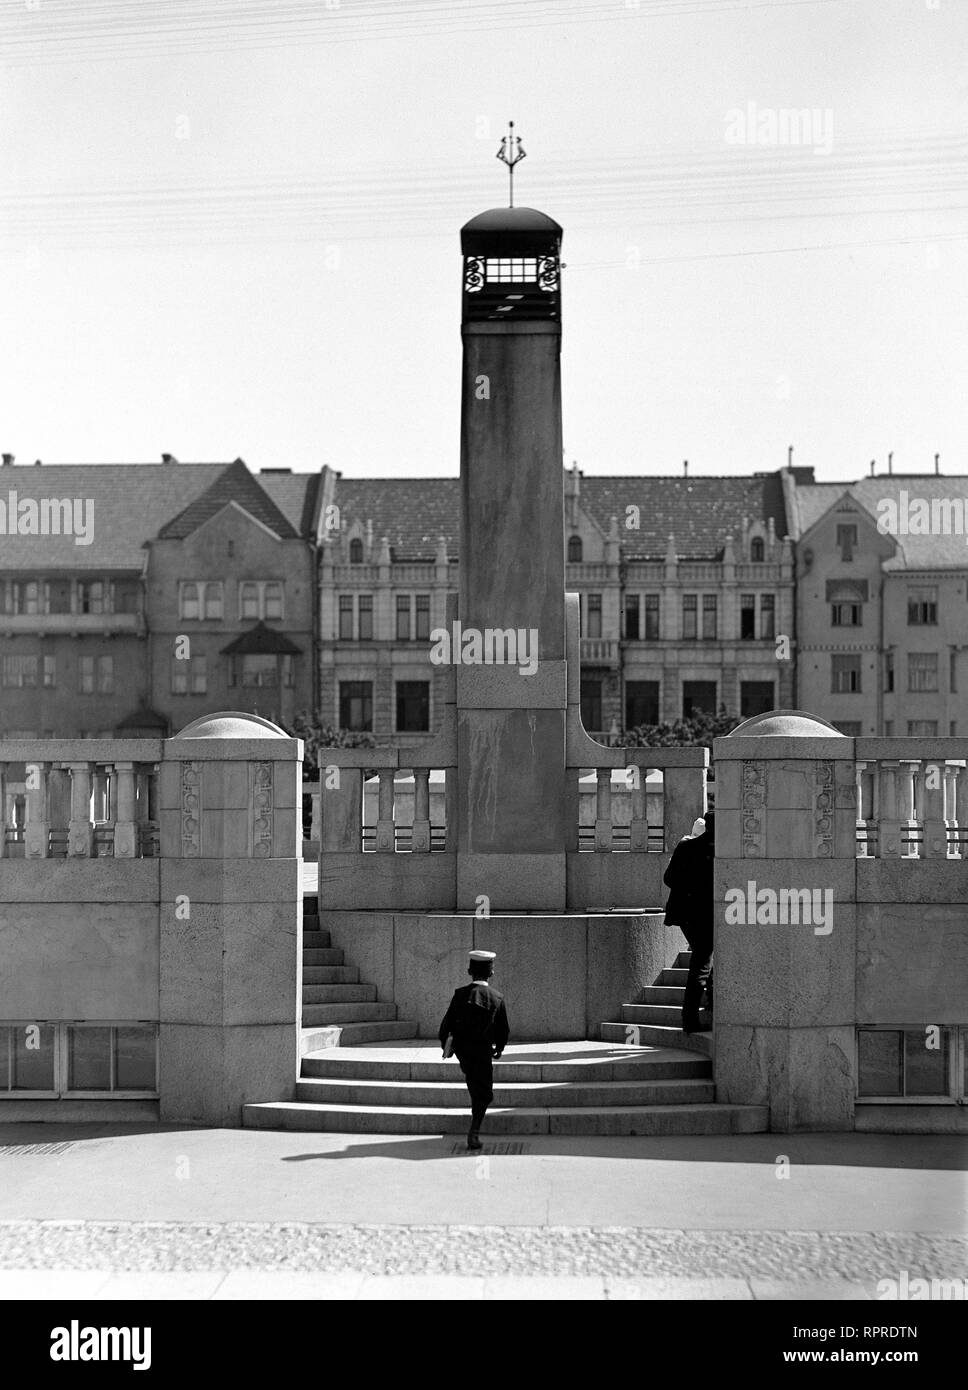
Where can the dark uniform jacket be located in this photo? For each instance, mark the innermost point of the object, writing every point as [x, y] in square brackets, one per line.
[477, 1019]
[690, 879]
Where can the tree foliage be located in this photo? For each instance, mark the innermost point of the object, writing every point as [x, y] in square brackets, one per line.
[316, 735]
[698, 731]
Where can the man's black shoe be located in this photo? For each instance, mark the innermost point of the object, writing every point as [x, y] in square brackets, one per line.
[472, 1140]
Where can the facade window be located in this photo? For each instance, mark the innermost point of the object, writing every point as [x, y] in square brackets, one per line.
[356, 706]
[49, 670]
[845, 675]
[514, 270]
[846, 614]
[591, 703]
[356, 551]
[709, 617]
[922, 606]
[698, 696]
[273, 599]
[689, 611]
[767, 617]
[346, 617]
[259, 669]
[413, 707]
[888, 672]
[846, 542]
[59, 1059]
[261, 598]
[652, 617]
[57, 597]
[198, 600]
[190, 677]
[92, 596]
[248, 600]
[574, 550]
[895, 1063]
[757, 550]
[422, 613]
[126, 597]
[365, 602]
[922, 671]
[747, 617]
[631, 617]
[593, 610]
[97, 675]
[641, 703]
[922, 728]
[23, 596]
[755, 697]
[888, 728]
[403, 617]
[21, 672]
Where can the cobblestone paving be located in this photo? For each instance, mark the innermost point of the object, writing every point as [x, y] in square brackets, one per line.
[477, 1250]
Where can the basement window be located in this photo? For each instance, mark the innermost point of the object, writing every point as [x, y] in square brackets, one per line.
[45, 1060]
[912, 1065]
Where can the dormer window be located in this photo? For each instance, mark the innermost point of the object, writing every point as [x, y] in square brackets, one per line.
[356, 551]
[574, 550]
[757, 550]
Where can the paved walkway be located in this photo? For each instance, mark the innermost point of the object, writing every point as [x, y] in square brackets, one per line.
[126, 1212]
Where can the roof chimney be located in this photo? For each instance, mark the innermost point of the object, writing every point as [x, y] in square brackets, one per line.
[168, 458]
[873, 466]
[890, 462]
[7, 460]
[789, 456]
[38, 463]
[685, 468]
[937, 464]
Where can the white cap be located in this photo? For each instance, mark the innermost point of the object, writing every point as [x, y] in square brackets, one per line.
[699, 827]
[483, 955]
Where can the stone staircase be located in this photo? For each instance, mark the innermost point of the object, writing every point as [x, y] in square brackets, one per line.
[655, 1018]
[338, 1010]
[362, 1074]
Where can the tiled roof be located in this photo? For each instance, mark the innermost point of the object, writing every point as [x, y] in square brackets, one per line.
[131, 502]
[262, 641]
[295, 495]
[914, 552]
[413, 513]
[234, 484]
[699, 512]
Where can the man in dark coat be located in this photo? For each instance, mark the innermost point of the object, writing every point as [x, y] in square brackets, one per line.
[690, 907]
[478, 1023]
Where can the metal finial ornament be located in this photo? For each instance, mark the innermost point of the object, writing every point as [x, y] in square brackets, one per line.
[511, 153]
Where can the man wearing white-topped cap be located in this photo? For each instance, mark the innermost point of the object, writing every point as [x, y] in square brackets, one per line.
[477, 1024]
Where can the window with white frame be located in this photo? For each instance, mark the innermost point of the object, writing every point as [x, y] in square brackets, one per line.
[48, 1060]
[928, 1064]
[199, 600]
[261, 599]
[922, 671]
[96, 675]
[189, 676]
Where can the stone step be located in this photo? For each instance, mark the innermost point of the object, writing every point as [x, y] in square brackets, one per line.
[315, 940]
[362, 1034]
[667, 1014]
[310, 921]
[672, 976]
[682, 960]
[453, 1094]
[310, 902]
[339, 994]
[371, 1064]
[314, 1015]
[322, 955]
[662, 994]
[330, 975]
[653, 1035]
[577, 1120]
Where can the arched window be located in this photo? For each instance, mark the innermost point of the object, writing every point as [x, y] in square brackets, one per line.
[574, 550]
[757, 550]
[356, 551]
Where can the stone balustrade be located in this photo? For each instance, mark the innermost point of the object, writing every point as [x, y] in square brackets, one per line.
[912, 798]
[79, 798]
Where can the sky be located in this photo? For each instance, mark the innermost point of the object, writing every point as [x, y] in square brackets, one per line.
[231, 227]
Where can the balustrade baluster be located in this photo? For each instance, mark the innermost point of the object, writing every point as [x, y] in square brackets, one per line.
[603, 809]
[935, 843]
[420, 842]
[80, 835]
[125, 823]
[889, 824]
[3, 810]
[961, 805]
[639, 823]
[37, 825]
[385, 841]
[907, 774]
